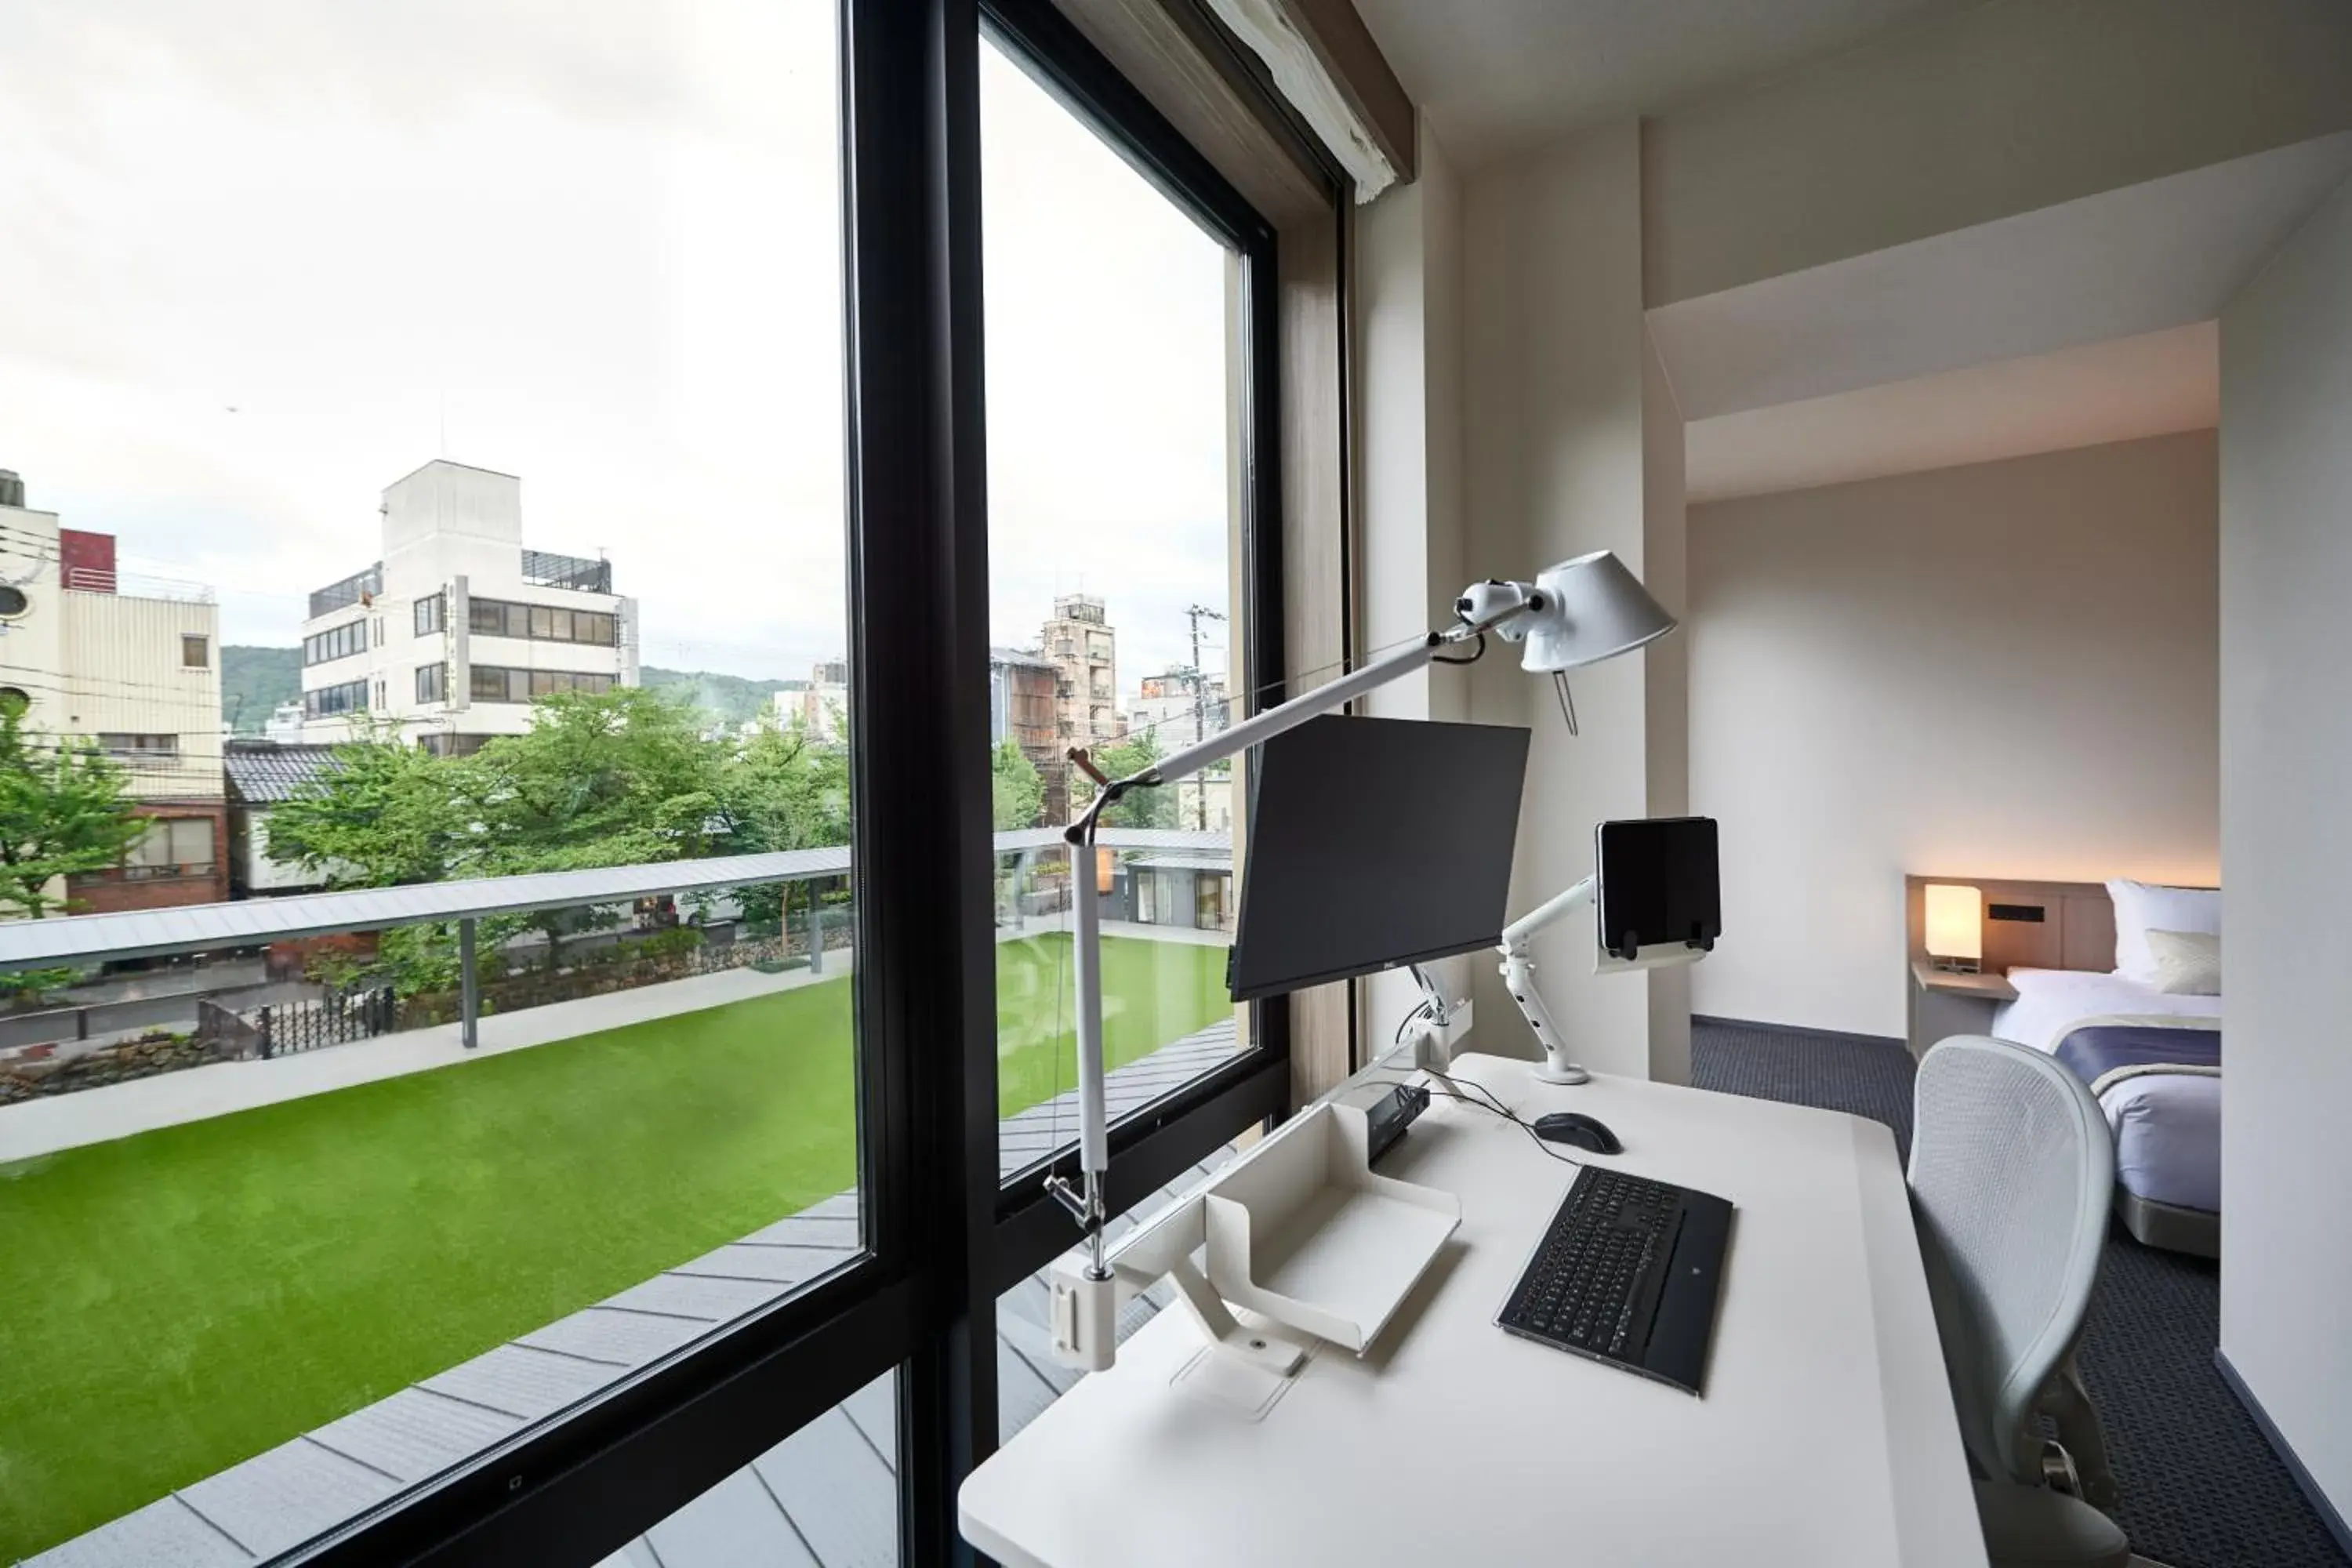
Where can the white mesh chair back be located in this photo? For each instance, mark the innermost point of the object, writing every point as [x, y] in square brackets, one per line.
[2012, 1172]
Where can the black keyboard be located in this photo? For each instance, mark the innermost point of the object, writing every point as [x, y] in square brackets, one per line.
[1627, 1274]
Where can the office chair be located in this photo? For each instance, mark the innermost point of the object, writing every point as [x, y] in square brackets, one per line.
[2011, 1171]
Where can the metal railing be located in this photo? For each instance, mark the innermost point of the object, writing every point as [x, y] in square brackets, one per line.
[350, 591]
[545, 569]
[286, 1026]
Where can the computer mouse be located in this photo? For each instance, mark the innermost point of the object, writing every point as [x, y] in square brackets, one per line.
[1579, 1130]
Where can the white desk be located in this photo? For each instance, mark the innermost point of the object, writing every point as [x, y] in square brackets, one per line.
[1826, 1436]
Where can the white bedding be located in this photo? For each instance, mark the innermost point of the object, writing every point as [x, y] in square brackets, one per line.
[2049, 999]
[2167, 1126]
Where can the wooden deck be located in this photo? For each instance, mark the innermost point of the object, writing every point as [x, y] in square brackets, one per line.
[825, 1495]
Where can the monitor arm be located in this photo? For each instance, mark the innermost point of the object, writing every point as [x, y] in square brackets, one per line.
[1502, 608]
[1575, 613]
[1519, 975]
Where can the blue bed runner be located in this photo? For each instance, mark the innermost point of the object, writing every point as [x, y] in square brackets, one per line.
[2101, 1050]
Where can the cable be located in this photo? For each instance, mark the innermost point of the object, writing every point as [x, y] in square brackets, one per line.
[1473, 656]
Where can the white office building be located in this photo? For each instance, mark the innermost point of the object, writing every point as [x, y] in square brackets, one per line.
[820, 705]
[459, 628]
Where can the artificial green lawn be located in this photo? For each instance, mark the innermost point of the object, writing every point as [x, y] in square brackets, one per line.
[173, 1302]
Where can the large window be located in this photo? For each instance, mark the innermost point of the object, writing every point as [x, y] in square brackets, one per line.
[486, 295]
[335, 642]
[499, 683]
[582, 1142]
[328, 701]
[543, 623]
[1099, 280]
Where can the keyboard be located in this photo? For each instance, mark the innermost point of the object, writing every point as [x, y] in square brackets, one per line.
[1627, 1274]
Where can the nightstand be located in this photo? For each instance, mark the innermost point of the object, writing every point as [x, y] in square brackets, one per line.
[1944, 1003]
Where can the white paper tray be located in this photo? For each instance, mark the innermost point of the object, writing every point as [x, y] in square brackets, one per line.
[1308, 1234]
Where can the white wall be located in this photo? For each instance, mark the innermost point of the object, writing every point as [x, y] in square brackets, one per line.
[1555, 464]
[2005, 669]
[2287, 839]
[1408, 297]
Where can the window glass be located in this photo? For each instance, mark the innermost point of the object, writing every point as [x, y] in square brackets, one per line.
[1097, 280]
[827, 1494]
[325, 311]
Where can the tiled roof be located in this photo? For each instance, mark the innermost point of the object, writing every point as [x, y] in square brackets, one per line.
[261, 772]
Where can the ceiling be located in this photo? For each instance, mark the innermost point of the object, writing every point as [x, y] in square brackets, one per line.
[2138, 259]
[1498, 76]
[2152, 384]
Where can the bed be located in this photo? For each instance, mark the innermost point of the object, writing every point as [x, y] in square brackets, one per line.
[2151, 1057]
[2167, 1124]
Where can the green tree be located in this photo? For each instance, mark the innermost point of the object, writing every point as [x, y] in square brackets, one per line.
[617, 778]
[64, 808]
[1153, 807]
[382, 815]
[782, 789]
[1016, 792]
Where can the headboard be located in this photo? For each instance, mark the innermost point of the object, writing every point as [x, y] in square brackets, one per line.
[2027, 925]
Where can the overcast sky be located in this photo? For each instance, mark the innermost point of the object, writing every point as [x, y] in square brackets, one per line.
[259, 259]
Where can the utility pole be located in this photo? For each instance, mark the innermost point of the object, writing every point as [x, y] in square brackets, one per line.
[1197, 614]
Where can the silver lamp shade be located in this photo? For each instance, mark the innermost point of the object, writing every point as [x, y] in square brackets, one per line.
[1592, 609]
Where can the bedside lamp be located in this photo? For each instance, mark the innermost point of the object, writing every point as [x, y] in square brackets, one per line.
[1955, 927]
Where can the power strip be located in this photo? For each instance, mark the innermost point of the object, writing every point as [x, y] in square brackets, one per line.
[1394, 1111]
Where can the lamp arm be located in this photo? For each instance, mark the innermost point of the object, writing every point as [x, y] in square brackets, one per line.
[1493, 607]
[1519, 975]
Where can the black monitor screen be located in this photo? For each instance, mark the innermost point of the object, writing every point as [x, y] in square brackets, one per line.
[1375, 842]
[1659, 884]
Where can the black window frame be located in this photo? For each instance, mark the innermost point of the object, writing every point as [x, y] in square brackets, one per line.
[944, 1236]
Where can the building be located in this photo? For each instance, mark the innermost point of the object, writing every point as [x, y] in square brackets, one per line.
[285, 724]
[1176, 708]
[1084, 649]
[820, 704]
[1180, 707]
[260, 774]
[459, 627]
[133, 665]
[1023, 708]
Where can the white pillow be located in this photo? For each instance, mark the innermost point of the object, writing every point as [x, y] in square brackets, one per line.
[2188, 964]
[2143, 907]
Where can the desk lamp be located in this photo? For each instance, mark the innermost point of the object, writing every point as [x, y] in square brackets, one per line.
[1574, 613]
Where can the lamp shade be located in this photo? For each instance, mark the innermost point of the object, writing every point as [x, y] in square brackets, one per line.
[1594, 608]
[1954, 921]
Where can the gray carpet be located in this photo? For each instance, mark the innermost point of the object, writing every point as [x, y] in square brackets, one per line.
[2200, 1488]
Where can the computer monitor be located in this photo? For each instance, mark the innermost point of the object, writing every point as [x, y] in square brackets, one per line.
[1375, 843]
[1659, 886]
